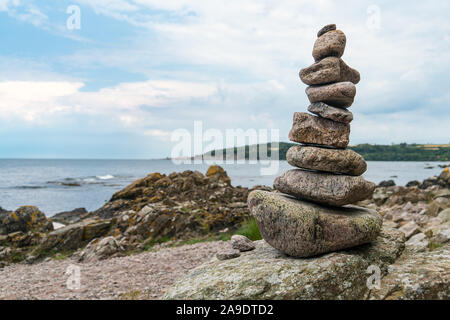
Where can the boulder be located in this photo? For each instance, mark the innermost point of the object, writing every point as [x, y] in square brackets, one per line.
[329, 70]
[325, 188]
[302, 229]
[68, 217]
[331, 43]
[100, 249]
[339, 94]
[310, 129]
[330, 160]
[24, 219]
[331, 113]
[75, 235]
[444, 215]
[387, 183]
[265, 273]
[417, 275]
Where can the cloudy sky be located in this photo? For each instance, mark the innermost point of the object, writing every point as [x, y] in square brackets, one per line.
[138, 69]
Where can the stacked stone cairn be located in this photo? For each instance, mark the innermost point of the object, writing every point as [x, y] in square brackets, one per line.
[311, 211]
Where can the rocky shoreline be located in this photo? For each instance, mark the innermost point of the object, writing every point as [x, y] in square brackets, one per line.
[170, 213]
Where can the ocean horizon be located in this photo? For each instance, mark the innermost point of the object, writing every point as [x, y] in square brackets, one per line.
[56, 185]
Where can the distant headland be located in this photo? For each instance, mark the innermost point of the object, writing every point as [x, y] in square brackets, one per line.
[370, 152]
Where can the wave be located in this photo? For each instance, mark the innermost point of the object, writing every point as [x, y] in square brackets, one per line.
[106, 177]
[29, 187]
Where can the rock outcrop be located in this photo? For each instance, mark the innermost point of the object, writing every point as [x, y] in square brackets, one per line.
[266, 273]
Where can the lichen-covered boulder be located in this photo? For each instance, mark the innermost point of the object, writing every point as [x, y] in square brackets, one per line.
[75, 235]
[417, 275]
[24, 219]
[266, 273]
[303, 229]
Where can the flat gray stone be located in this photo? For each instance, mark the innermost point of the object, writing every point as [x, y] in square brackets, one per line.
[329, 70]
[331, 43]
[324, 188]
[332, 113]
[329, 160]
[341, 94]
[310, 129]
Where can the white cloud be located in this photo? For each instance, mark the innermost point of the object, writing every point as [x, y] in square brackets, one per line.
[34, 101]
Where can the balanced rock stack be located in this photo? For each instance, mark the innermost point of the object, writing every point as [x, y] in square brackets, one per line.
[311, 214]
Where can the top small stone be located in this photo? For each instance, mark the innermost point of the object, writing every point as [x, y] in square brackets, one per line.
[328, 27]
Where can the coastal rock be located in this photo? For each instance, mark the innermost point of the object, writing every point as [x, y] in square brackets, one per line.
[330, 160]
[324, 188]
[242, 243]
[329, 70]
[339, 94]
[444, 215]
[68, 217]
[100, 249]
[387, 183]
[331, 43]
[302, 229]
[75, 235]
[332, 113]
[310, 129]
[328, 27]
[265, 273]
[24, 219]
[423, 275]
[410, 229]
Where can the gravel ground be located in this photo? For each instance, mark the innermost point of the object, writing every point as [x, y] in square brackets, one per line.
[140, 276]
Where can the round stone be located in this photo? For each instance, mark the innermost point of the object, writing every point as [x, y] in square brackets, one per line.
[329, 160]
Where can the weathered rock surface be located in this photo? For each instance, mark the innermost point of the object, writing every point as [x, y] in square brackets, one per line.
[328, 27]
[266, 273]
[331, 43]
[324, 188]
[68, 217]
[417, 275]
[24, 219]
[310, 129]
[332, 113]
[100, 249]
[75, 235]
[302, 229]
[242, 243]
[330, 160]
[329, 70]
[341, 94]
